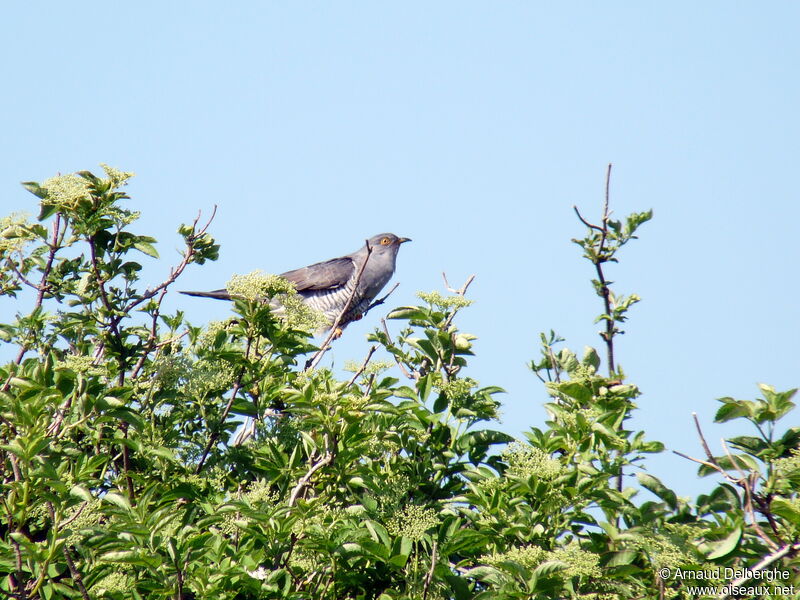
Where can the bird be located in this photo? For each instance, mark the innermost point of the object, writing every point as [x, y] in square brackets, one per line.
[327, 286]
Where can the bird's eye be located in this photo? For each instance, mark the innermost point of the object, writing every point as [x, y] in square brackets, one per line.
[385, 241]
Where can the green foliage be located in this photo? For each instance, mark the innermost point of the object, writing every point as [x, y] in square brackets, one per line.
[120, 478]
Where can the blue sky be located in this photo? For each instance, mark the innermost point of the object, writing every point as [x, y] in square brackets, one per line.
[472, 128]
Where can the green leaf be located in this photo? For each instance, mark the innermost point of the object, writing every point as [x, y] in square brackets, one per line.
[126, 556]
[146, 247]
[401, 550]
[786, 509]
[726, 545]
[550, 567]
[408, 312]
[623, 557]
[579, 391]
[590, 357]
[81, 492]
[35, 189]
[659, 489]
[118, 499]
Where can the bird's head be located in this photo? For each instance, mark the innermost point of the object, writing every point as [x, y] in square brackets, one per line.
[386, 243]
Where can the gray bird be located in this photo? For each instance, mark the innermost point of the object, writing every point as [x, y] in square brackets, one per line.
[326, 286]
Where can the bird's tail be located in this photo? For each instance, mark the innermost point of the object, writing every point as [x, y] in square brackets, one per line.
[216, 294]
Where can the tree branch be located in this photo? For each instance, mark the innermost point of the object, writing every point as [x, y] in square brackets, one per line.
[429, 575]
[381, 300]
[326, 459]
[762, 564]
[314, 360]
[215, 434]
[363, 365]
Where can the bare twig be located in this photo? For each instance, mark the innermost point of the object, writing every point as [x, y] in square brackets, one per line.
[762, 564]
[126, 460]
[55, 426]
[605, 291]
[151, 337]
[702, 462]
[22, 277]
[76, 575]
[314, 360]
[358, 373]
[245, 433]
[326, 459]
[381, 300]
[75, 516]
[391, 343]
[460, 292]
[54, 247]
[763, 507]
[237, 385]
[43, 287]
[747, 483]
[429, 575]
[703, 441]
[176, 271]
[584, 221]
[215, 435]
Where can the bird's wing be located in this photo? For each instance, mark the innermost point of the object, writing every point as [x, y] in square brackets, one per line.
[327, 275]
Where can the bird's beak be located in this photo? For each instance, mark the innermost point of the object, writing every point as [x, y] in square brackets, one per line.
[403, 240]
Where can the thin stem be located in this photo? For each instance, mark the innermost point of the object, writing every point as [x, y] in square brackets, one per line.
[334, 331]
[236, 387]
[363, 365]
[316, 466]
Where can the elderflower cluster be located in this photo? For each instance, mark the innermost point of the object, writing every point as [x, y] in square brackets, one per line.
[115, 176]
[84, 365]
[88, 515]
[318, 522]
[578, 562]
[303, 561]
[114, 583]
[373, 367]
[455, 389]
[301, 316]
[526, 461]
[412, 522]
[394, 491]
[207, 375]
[66, 191]
[259, 492]
[787, 467]
[15, 232]
[170, 369]
[259, 286]
[443, 302]
[207, 337]
[382, 447]
[663, 552]
[528, 556]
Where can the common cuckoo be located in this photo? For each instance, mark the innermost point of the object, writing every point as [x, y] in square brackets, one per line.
[327, 286]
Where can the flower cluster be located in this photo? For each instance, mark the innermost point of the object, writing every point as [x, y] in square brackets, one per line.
[412, 521]
[525, 461]
[258, 286]
[65, 192]
[443, 302]
[15, 232]
[576, 561]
